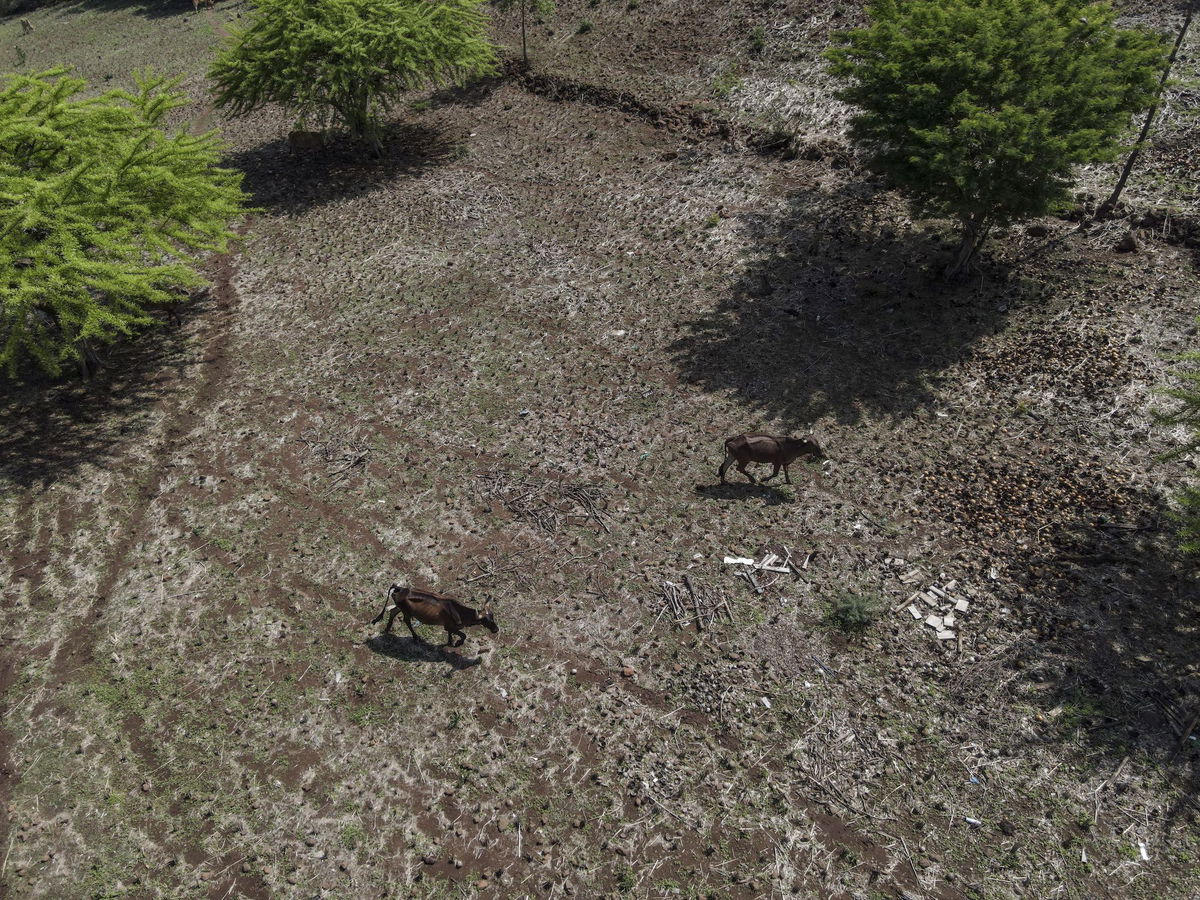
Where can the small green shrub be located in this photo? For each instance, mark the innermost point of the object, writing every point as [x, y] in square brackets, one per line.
[584, 27]
[758, 40]
[349, 62]
[853, 611]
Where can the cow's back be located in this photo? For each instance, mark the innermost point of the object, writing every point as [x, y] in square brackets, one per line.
[756, 447]
[428, 608]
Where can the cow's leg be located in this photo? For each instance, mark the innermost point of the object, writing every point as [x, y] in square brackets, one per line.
[451, 634]
[776, 473]
[725, 466]
[786, 477]
[411, 630]
[742, 468]
[387, 629]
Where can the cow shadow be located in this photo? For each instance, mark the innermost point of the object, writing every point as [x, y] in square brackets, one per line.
[734, 490]
[406, 649]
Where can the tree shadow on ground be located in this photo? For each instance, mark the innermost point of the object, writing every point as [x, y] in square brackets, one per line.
[473, 94]
[290, 182]
[844, 313]
[406, 649]
[150, 9]
[49, 427]
[1113, 608]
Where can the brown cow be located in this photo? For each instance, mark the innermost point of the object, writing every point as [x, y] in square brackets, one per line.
[766, 448]
[433, 609]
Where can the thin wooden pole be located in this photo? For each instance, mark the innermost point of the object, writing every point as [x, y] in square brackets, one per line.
[1110, 204]
[524, 48]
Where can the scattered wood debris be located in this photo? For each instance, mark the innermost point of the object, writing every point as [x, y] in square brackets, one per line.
[547, 504]
[938, 607]
[695, 604]
[771, 562]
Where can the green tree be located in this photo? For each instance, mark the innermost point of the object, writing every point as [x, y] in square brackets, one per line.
[981, 109]
[102, 214]
[349, 61]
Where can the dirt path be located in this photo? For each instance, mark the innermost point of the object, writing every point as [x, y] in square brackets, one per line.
[75, 650]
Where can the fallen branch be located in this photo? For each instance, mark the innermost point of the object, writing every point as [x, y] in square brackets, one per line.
[687, 580]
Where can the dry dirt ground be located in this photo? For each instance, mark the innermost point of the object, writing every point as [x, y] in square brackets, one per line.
[500, 363]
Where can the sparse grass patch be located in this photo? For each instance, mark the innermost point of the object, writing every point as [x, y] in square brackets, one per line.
[352, 835]
[626, 880]
[1079, 710]
[728, 80]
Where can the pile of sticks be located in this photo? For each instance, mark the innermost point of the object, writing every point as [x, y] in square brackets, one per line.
[697, 604]
[343, 456]
[547, 504]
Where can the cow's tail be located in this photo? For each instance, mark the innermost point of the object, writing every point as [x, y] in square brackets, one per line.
[386, 602]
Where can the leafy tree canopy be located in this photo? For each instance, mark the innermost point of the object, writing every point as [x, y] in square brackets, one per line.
[102, 214]
[349, 61]
[981, 109]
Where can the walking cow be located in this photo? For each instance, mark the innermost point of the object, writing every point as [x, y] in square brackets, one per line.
[765, 448]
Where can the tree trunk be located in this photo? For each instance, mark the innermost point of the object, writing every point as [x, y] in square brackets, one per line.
[1110, 204]
[362, 127]
[89, 361]
[524, 48]
[974, 230]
